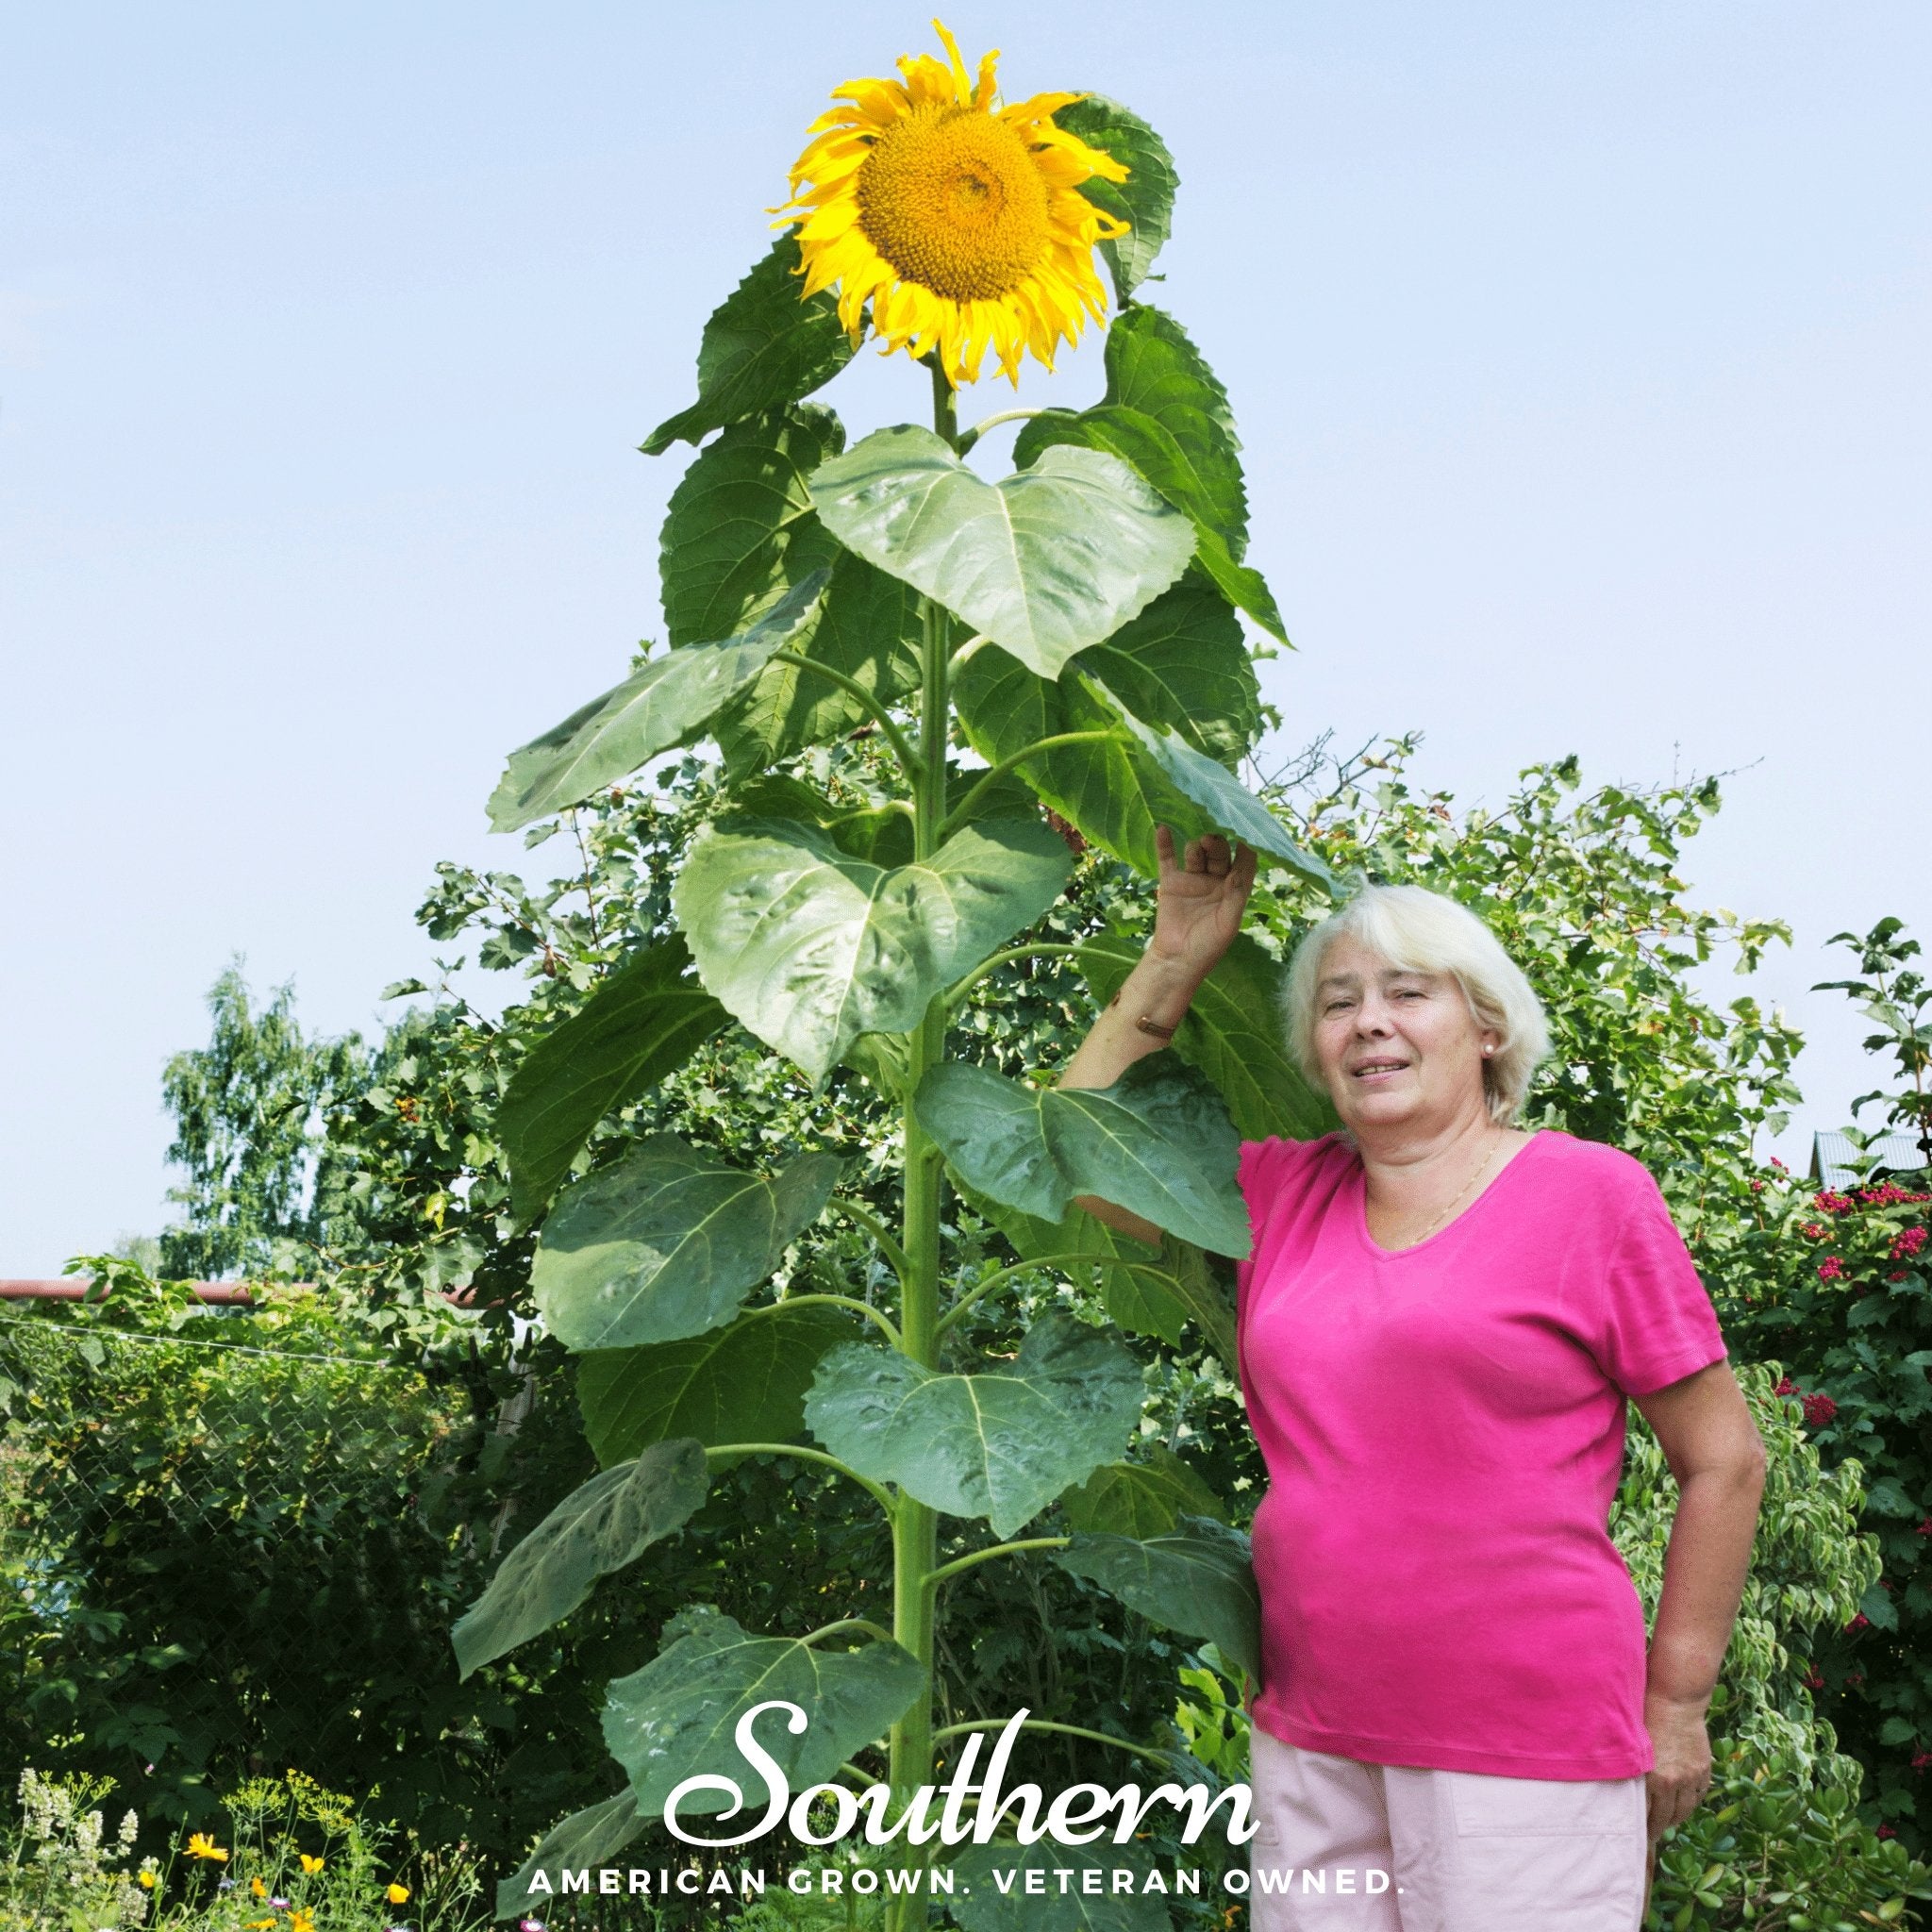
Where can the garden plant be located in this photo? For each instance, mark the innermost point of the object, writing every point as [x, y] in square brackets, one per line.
[1078, 624]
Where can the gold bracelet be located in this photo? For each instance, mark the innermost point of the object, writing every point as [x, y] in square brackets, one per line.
[1155, 1027]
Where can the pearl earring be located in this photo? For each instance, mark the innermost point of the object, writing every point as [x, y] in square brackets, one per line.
[1488, 1051]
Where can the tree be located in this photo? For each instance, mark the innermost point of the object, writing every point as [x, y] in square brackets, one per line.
[248, 1109]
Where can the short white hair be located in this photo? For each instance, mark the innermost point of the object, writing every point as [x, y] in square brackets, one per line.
[1416, 930]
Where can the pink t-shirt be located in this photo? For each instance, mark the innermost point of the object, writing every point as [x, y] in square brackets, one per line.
[1444, 1431]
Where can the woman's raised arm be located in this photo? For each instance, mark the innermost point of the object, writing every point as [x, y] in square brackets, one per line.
[1197, 911]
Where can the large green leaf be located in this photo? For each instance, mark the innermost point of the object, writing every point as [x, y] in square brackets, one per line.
[1118, 788]
[761, 348]
[1220, 799]
[1152, 452]
[869, 630]
[1158, 1143]
[1198, 1579]
[1182, 662]
[744, 1383]
[666, 703]
[586, 1838]
[1140, 1499]
[1154, 369]
[1166, 414]
[675, 1718]
[1044, 562]
[1000, 1444]
[810, 947]
[1135, 1280]
[643, 1022]
[1234, 1032]
[990, 1902]
[740, 530]
[1144, 199]
[668, 1241]
[611, 1520]
[1197, 1284]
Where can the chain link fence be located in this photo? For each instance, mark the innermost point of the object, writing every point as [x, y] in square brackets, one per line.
[218, 1561]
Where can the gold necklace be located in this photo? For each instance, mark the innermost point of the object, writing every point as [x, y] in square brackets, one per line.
[1467, 1189]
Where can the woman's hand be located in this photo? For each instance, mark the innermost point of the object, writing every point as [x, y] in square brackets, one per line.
[1682, 1774]
[1198, 907]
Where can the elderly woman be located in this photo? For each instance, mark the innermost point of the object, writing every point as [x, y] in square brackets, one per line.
[1458, 1728]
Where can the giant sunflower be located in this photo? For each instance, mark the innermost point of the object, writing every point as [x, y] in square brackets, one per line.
[962, 223]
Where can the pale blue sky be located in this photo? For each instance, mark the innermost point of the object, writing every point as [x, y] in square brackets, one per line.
[1581, 353]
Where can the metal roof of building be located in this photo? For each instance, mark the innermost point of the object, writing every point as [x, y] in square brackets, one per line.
[1832, 1156]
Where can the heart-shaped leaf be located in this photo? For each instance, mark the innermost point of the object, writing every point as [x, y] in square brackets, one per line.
[1154, 369]
[868, 630]
[668, 1241]
[1150, 451]
[1218, 797]
[1234, 1032]
[643, 1022]
[589, 1838]
[1159, 387]
[763, 347]
[1181, 662]
[1166, 414]
[1196, 1579]
[1000, 1444]
[1144, 199]
[1044, 562]
[666, 703]
[1117, 787]
[611, 1520]
[810, 947]
[1135, 1280]
[739, 531]
[675, 1718]
[1140, 1499]
[744, 1383]
[1157, 1142]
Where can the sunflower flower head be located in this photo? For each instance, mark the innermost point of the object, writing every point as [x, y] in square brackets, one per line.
[961, 222]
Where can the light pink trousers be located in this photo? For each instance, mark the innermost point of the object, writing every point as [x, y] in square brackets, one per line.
[1341, 1846]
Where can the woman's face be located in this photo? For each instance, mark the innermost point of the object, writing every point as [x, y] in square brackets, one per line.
[1397, 1049]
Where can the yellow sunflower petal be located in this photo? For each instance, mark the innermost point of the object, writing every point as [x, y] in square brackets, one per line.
[962, 88]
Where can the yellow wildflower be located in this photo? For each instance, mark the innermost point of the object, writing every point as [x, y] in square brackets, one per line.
[310, 1864]
[257, 1887]
[200, 1845]
[962, 223]
[396, 1894]
[146, 1881]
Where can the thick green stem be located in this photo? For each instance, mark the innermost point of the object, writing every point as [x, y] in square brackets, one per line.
[915, 1524]
[891, 1249]
[961, 988]
[979, 429]
[1065, 1262]
[884, 1497]
[845, 1623]
[947, 1572]
[1040, 1724]
[963, 811]
[843, 1301]
[888, 727]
